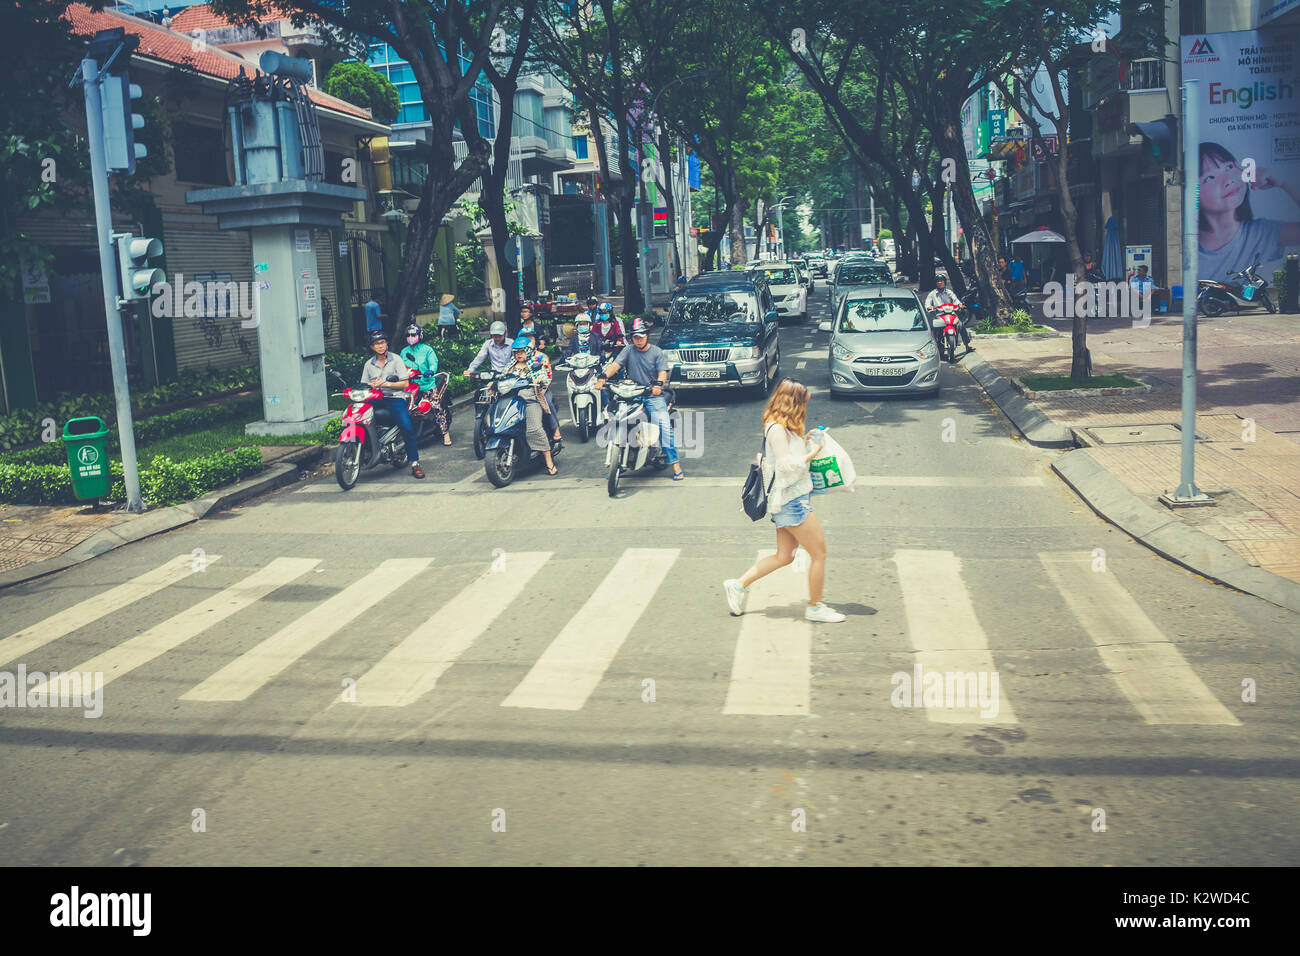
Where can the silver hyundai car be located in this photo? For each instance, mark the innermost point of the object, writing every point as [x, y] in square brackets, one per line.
[881, 344]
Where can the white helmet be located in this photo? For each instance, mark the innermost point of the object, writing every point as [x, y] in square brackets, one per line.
[497, 328]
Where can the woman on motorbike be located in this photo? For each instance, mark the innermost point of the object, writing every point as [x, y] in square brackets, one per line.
[549, 417]
[584, 339]
[533, 365]
[419, 355]
[609, 328]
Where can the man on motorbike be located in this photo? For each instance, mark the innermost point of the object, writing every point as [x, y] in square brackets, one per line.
[375, 373]
[528, 325]
[495, 349]
[646, 364]
[527, 362]
[419, 355]
[942, 295]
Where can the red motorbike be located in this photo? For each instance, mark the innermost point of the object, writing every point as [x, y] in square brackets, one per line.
[946, 322]
[370, 435]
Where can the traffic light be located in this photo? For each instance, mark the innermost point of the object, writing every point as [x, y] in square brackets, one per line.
[136, 278]
[1162, 134]
[114, 48]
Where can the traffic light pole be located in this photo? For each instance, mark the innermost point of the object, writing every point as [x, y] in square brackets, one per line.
[1188, 493]
[90, 79]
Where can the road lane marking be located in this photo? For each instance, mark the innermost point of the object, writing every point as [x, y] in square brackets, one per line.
[171, 633]
[101, 605]
[948, 638]
[1148, 668]
[771, 672]
[799, 365]
[255, 668]
[412, 668]
[570, 668]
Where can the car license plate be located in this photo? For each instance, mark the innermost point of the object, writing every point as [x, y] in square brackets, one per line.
[888, 370]
[703, 373]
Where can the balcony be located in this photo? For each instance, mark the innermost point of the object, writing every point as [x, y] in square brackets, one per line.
[1110, 136]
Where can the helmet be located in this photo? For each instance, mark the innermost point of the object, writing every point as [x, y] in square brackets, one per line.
[940, 278]
[582, 318]
[606, 309]
[414, 329]
[378, 336]
[497, 328]
[681, 280]
[640, 327]
[592, 300]
[522, 342]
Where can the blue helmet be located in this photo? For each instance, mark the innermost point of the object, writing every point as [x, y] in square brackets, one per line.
[605, 307]
[522, 342]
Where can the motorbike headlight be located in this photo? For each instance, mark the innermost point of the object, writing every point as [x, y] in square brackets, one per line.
[927, 350]
[840, 352]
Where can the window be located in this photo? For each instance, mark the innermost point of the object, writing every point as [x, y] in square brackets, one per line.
[729, 306]
[882, 315]
[1191, 16]
[864, 275]
[580, 147]
[200, 153]
[780, 276]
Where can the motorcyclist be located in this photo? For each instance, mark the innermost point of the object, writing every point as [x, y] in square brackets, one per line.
[375, 373]
[527, 362]
[495, 349]
[419, 355]
[609, 328]
[584, 338]
[942, 295]
[549, 417]
[529, 324]
[646, 364]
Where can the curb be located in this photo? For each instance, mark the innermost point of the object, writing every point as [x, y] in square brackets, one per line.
[166, 519]
[1036, 427]
[1141, 389]
[1164, 534]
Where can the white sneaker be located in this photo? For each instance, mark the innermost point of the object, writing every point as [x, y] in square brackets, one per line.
[822, 614]
[736, 596]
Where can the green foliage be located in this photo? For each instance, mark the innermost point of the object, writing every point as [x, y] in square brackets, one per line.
[364, 87]
[1022, 321]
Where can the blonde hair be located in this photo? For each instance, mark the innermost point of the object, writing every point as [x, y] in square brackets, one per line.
[788, 405]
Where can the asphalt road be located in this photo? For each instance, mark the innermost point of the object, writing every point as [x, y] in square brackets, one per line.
[438, 672]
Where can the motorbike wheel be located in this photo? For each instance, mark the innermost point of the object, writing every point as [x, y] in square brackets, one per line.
[347, 464]
[1211, 306]
[584, 425]
[480, 437]
[498, 471]
[612, 482]
[1269, 307]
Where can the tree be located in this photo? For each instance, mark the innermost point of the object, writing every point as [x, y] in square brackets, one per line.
[364, 87]
[446, 46]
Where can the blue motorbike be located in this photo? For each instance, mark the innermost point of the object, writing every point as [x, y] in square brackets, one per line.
[507, 454]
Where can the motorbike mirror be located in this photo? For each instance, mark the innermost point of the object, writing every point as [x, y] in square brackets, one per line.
[391, 378]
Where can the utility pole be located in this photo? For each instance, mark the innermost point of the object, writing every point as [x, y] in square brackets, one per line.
[110, 127]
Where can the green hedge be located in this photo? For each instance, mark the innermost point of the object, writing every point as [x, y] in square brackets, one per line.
[23, 426]
[162, 481]
[148, 430]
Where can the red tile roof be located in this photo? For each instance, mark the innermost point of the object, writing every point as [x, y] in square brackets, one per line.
[172, 47]
[201, 17]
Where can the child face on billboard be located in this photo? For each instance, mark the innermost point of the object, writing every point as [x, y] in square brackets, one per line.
[1222, 186]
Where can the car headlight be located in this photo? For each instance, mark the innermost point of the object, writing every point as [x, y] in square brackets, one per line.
[840, 352]
[927, 350]
[793, 296]
[672, 355]
[739, 352]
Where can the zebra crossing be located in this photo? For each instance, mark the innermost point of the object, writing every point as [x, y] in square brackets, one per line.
[771, 672]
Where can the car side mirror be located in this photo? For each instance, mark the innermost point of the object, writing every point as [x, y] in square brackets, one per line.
[772, 316]
[823, 326]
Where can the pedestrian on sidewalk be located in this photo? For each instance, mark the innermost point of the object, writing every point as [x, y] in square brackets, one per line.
[374, 314]
[447, 315]
[786, 454]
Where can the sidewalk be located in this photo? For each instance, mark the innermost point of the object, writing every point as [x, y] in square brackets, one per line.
[41, 539]
[1248, 377]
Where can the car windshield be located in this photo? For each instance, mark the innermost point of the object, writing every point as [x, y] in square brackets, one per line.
[861, 273]
[780, 276]
[882, 315]
[722, 306]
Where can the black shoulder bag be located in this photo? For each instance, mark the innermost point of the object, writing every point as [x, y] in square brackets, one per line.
[753, 497]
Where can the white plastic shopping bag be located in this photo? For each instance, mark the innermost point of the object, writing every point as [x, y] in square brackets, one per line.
[832, 469]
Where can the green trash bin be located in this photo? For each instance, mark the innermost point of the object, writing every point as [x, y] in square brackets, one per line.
[85, 440]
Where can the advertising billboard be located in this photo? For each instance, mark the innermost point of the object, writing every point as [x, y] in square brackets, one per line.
[1249, 153]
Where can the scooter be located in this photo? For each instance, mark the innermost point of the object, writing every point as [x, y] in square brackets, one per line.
[482, 402]
[1242, 290]
[507, 453]
[633, 438]
[370, 436]
[584, 406]
[945, 323]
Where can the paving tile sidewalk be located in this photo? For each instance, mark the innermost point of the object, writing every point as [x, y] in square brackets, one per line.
[1248, 420]
[32, 533]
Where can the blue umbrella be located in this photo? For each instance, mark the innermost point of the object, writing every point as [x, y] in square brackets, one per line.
[1112, 262]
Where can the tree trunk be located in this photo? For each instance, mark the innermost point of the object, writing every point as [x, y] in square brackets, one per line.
[737, 225]
[493, 201]
[993, 293]
[670, 200]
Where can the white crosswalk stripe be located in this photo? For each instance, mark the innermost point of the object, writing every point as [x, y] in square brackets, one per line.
[175, 631]
[772, 670]
[574, 663]
[952, 652]
[1149, 669]
[412, 668]
[255, 668]
[101, 605]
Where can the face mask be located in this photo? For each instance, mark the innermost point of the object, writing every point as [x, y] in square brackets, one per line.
[412, 339]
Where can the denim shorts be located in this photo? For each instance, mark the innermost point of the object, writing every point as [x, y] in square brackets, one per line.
[794, 512]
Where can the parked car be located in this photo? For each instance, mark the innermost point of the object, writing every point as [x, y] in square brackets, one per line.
[788, 291]
[722, 331]
[859, 273]
[881, 344]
